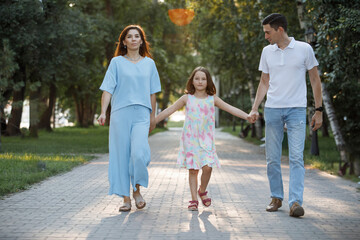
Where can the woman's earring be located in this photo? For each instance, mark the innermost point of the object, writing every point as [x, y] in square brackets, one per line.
[125, 46]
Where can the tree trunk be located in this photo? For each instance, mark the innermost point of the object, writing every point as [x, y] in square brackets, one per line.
[109, 12]
[310, 112]
[165, 101]
[45, 120]
[93, 112]
[2, 120]
[257, 125]
[305, 23]
[85, 111]
[339, 140]
[357, 165]
[5, 98]
[325, 126]
[34, 112]
[78, 110]
[13, 126]
[89, 112]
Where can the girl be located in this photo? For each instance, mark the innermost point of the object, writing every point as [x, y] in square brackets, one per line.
[197, 145]
[131, 82]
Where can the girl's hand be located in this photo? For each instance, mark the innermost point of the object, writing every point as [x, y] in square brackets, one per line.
[249, 118]
[102, 118]
[253, 116]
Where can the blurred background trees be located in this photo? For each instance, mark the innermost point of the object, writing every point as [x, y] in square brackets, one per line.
[54, 53]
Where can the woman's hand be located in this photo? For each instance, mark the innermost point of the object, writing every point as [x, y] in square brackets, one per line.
[152, 123]
[102, 118]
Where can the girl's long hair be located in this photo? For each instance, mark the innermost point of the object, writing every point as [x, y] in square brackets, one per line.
[210, 88]
[144, 49]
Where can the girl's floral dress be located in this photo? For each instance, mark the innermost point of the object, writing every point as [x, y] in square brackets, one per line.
[197, 144]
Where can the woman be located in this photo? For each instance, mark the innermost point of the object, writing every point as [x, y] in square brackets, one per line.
[130, 82]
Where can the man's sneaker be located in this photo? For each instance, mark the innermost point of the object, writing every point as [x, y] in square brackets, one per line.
[296, 210]
[274, 205]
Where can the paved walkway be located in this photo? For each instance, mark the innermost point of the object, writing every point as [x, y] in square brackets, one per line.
[75, 205]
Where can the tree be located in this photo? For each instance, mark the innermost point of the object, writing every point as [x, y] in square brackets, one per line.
[221, 39]
[18, 21]
[85, 60]
[7, 69]
[338, 45]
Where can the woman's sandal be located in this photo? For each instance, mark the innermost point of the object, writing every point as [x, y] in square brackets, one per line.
[139, 199]
[193, 205]
[204, 201]
[126, 207]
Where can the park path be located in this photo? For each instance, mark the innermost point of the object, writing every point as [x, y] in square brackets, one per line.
[75, 205]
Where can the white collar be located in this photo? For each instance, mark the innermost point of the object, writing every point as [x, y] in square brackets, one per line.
[275, 47]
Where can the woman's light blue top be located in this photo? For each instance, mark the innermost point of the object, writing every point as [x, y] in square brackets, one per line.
[131, 83]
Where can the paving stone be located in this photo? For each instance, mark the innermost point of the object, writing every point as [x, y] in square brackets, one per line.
[75, 205]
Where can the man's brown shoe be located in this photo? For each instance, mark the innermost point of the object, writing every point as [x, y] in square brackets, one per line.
[274, 205]
[296, 210]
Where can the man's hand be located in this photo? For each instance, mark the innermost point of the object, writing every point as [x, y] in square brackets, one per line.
[316, 120]
[253, 116]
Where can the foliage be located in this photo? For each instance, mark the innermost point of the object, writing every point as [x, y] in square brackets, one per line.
[7, 69]
[70, 43]
[338, 51]
[172, 50]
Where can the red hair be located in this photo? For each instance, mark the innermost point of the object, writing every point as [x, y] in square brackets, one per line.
[144, 49]
[210, 87]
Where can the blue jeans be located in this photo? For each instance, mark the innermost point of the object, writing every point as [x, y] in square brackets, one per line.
[295, 120]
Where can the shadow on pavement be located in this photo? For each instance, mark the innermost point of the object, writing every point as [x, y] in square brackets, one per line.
[197, 232]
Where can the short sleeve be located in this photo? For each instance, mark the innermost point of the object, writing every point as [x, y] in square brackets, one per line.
[263, 65]
[155, 85]
[109, 82]
[310, 60]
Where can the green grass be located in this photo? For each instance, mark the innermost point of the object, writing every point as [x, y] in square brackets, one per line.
[19, 171]
[328, 159]
[156, 130]
[25, 160]
[175, 124]
[61, 141]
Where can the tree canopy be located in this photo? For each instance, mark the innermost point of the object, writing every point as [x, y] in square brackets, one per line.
[55, 52]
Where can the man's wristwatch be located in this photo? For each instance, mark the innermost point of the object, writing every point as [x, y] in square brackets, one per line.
[320, 109]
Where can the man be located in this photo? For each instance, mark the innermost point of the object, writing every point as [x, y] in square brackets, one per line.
[284, 64]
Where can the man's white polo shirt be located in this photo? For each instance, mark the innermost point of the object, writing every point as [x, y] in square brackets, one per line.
[287, 69]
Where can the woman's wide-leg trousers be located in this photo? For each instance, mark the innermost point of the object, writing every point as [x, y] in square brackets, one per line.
[129, 151]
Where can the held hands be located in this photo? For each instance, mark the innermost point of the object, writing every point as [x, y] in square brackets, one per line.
[101, 119]
[316, 120]
[253, 116]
